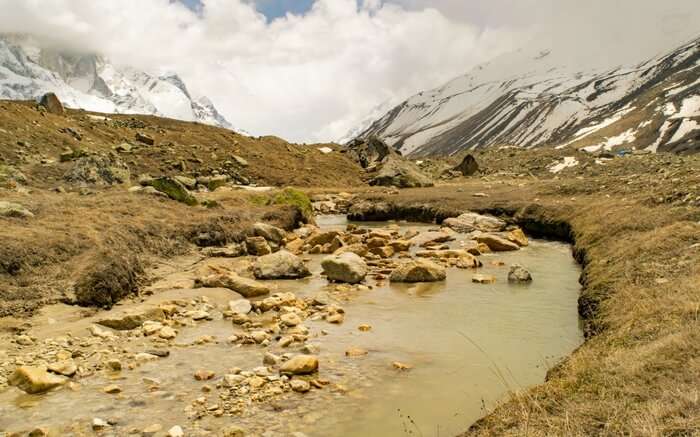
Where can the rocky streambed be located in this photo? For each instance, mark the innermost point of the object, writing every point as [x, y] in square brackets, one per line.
[347, 329]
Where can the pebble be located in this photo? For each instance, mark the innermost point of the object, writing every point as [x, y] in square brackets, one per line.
[176, 431]
[112, 389]
[203, 375]
[364, 328]
[300, 386]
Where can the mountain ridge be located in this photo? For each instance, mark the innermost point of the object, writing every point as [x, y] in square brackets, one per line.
[92, 82]
[527, 99]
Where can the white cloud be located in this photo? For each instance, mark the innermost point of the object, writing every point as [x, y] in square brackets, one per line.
[311, 77]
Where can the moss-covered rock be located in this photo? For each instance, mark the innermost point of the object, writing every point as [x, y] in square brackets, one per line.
[174, 189]
[297, 198]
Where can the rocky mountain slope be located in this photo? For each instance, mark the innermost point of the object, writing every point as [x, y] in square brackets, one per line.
[528, 99]
[93, 83]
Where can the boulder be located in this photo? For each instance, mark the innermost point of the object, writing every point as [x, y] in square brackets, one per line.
[98, 170]
[497, 243]
[398, 172]
[244, 286]
[469, 222]
[34, 380]
[10, 209]
[468, 166]
[53, 105]
[369, 153]
[346, 267]
[240, 306]
[269, 232]
[300, 365]
[173, 189]
[519, 273]
[280, 265]
[257, 246]
[418, 271]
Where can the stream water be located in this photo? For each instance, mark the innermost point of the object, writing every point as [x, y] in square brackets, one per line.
[468, 345]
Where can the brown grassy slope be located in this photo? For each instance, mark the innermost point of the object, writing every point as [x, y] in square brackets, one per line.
[102, 242]
[27, 137]
[638, 235]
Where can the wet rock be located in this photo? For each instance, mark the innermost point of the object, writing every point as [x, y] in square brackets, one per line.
[356, 248]
[347, 267]
[519, 273]
[356, 352]
[269, 232]
[431, 237]
[382, 252]
[150, 328]
[231, 251]
[468, 166]
[335, 318]
[257, 246]
[401, 245]
[132, 320]
[418, 271]
[469, 222]
[322, 238]
[290, 319]
[11, 209]
[34, 380]
[99, 424]
[401, 366]
[53, 105]
[460, 258]
[280, 265]
[114, 365]
[518, 237]
[203, 375]
[270, 359]
[173, 189]
[300, 365]
[233, 431]
[176, 431]
[497, 243]
[240, 306]
[65, 368]
[167, 333]
[260, 336]
[300, 386]
[484, 279]
[364, 328]
[112, 389]
[244, 286]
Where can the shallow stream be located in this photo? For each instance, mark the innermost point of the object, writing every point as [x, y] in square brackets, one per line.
[468, 345]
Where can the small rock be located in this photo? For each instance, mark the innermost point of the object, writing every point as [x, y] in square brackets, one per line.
[484, 279]
[34, 380]
[280, 265]
[270, 359]
[112, 389]
[300, 386]
[176, 431]
[152, 429]
[418, 271]
[356, 352]
[167, 333]
[401, 366]
[98, 424]
[240, 306]
[290, 319]
[300, 365]
[233, 431]
[65, 368]
[203, 375]
[114, 365]
[518, 273]
[364, 328]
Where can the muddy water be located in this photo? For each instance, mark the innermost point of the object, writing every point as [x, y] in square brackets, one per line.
[467, 344]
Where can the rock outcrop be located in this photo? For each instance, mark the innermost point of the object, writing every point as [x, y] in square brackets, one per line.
[52, 103]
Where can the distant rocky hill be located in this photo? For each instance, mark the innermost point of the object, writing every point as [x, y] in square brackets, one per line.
[93, 83]
[529, 99]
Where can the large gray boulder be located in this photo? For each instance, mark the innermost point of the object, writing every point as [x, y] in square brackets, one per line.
[346, 267]
[369, 153]
[418, 271]
[398, 172]
[280, 265]
[470, 221]
[52, 103]
[519, 273]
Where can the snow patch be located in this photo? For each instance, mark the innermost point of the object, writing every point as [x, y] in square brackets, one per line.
[325, 150]
[689, 108]
[626, 137]
[569, 161]
[686, 127]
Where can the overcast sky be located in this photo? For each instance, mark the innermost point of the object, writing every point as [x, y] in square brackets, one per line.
[309, 70]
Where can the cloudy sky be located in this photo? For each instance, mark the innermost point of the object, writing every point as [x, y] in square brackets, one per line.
[309, 70]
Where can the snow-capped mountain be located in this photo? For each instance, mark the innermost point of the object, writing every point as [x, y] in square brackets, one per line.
[529, 99]
[93, 83]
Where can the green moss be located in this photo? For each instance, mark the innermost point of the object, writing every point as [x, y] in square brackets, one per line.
[294, 197]
[174, 189]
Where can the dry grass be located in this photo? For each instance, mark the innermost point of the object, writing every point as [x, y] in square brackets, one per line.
[94, 248]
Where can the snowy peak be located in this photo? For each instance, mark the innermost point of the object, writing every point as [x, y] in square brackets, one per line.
[535, 98]
[93, 83]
